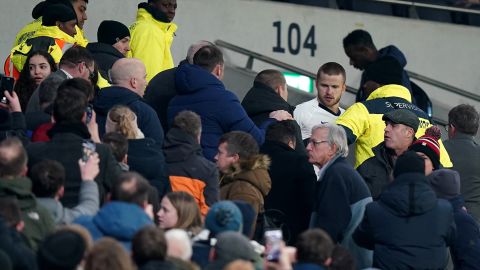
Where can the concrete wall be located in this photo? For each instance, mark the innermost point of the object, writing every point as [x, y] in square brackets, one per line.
[445, 52]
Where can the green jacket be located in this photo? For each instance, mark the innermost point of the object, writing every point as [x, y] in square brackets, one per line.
[38, 221]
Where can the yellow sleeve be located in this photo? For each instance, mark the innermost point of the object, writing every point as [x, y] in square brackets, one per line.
[80, 38]
[356, 119]
[148, 45]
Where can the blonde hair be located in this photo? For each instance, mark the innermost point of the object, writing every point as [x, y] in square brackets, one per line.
[123, 120]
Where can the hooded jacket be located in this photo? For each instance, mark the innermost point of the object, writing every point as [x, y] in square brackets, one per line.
[394, 52]
[248, 181]
[408, 227]
[147, 119]
[199, 91]
[261, 100]
[364, 125]
[151, 39]
[105, 56]
[189, 171]
[119, 220]
[38, 221]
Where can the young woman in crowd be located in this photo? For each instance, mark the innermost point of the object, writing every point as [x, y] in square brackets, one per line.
[38, 66]
[180, 210]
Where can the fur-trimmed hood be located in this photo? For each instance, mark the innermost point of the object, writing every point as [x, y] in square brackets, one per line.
[253, 170]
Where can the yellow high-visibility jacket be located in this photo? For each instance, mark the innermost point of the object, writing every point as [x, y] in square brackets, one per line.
[364, 125]
[150, 42]
[29, 30]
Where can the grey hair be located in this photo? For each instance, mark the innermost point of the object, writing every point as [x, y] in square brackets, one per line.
[193, 49]
[179, 239]
[336, 136]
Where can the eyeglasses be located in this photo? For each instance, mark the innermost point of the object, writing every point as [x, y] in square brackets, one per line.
[315, 143]
[91, 73]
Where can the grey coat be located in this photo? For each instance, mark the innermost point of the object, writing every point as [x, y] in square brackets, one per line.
[465, 155]
[88, 204]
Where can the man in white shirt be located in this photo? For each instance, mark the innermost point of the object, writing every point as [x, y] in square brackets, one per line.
[325, 108]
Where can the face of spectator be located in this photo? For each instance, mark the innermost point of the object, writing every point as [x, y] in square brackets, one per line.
[318, 149]
[168, 7]
[140, 80]
[68, 27]
[283, 92]
[330, 89]
[123, 45]
[428, 163]
[39, 68]
[397, 136]
[224, 159]
[357, 56]
[80, 7]
[167, 215]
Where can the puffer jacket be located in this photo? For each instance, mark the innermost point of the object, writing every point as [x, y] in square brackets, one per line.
[408, 227]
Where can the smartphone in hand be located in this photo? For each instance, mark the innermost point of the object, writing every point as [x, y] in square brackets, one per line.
[273, 245]
[6, 83]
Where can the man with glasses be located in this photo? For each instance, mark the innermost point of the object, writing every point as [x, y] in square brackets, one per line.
[152, 35]
[76, 62]
[340, 192]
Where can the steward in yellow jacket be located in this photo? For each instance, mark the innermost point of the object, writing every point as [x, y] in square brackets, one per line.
[54, 36]
[152, 35]
[364, 125]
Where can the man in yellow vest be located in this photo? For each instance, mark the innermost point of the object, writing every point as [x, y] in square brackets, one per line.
[80, 8]
[152, 35]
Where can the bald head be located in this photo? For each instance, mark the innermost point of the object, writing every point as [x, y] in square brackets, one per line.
[194, 49]
[129, 73]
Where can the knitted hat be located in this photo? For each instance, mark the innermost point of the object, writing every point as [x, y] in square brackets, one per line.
[58, 12]
[428, 144]
[61, 250]
[409, 162]
[223, 216]
[446, 183]
[110, 32]
[385, 70]
[41, 7]
[232, 246]
[404, 117]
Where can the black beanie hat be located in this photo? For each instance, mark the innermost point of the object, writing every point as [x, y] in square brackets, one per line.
[41, 7]
[61, 250]
[110, 32]
[385, 70]
[409, 162]
[58, 12]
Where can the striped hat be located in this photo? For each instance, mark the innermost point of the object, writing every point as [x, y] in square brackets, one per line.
[428, 144]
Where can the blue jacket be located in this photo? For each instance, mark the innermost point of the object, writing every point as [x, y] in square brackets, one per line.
[119, 220]
[147, 118]
[466, 247]
[340, 199]
[408, 227]
[199, 91]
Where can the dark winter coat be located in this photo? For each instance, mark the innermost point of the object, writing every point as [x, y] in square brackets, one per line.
[38, 221]
[156, 265]
[340, 199]
[105, 56]
[389, 51]
[261, 100]
[20, 255]
[292, 177]
[146, 157]
[248, 181]
[66, 147]
[189, 171]
[408, 227]
[147, 119]
[160, 90]
[221, 112]
[119, 220]
[466, 247]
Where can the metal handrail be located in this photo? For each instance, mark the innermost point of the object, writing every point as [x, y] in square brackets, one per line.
[253, 55]
[432, 6]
